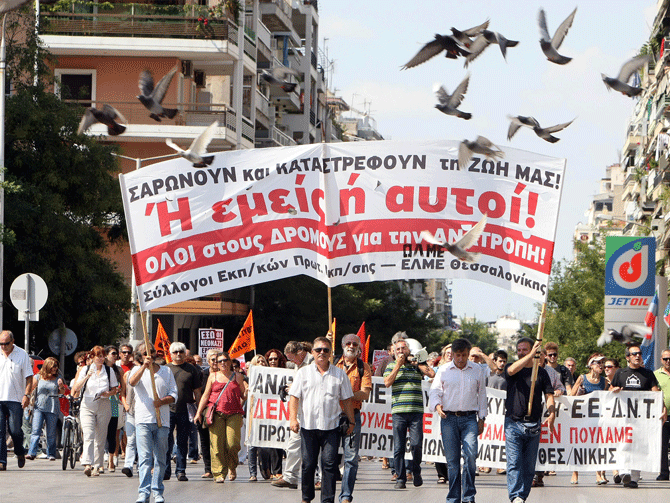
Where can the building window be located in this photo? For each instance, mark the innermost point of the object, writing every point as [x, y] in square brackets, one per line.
[76, 85]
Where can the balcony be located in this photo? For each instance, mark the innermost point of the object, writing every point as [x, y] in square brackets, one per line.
[273, 138]
[186, 125]
[62, 31]
[276, 15]
[262, 105]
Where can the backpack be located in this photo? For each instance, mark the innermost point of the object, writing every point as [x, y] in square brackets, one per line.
[359, 363]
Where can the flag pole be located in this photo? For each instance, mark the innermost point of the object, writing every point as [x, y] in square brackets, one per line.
[536, 358]
[147, 345]
[330, 322]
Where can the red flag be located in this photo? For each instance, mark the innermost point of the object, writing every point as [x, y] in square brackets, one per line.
[361, 334]
[162, 343]
[245, 340]
[366, 350]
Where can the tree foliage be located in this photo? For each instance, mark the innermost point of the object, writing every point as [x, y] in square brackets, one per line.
[477, 332]
[575, 306]
[297, 309]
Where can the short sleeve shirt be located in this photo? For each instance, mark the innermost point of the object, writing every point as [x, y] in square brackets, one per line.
[640, 379]
[406, 394]
[14, 369]
[188, 378]
[518, 393]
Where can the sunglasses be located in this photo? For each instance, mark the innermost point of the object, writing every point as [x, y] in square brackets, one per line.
[178, 351]
[114, 354]
[223, 361]
[666, 359]
[552, 355]
[636, 353]
[351, 343]
[612, 366]
[5, 343]
[322, 350]
[272, 359]
[126, 352]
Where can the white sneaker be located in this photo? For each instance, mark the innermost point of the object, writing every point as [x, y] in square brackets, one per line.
[43, 456]
[518, 500]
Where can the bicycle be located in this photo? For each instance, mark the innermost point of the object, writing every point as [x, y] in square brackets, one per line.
[73, 443]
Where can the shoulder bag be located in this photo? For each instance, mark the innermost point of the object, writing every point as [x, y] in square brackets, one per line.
[210, 409]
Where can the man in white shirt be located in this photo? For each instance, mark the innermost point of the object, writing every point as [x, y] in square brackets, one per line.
[15, 382]
[315, 396]
[458, 394]
[152, 440]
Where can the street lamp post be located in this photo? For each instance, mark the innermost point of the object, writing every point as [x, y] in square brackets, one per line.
[135, 338]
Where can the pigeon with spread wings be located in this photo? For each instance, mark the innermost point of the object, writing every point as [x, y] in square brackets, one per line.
[277, 77]
[464, 37]
[485, 39]
[627, 70]
[628, 335]
[107, 116]
[460, 248]
[550, 45]
[481, 145]
[434, 47]
[152, 97]
[449, 103]
[196, 152]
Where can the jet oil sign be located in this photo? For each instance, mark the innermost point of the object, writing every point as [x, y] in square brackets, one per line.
[629, 279]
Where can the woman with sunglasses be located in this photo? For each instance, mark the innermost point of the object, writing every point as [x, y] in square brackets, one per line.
[47, 383]
[212, 358]
[588, 383]
[225, 390]
[271, 464]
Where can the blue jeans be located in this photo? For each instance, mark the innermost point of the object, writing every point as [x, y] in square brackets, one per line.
[152, 446]
[39, 417]
[181, 423]
[131, 445]
[403, 421]
[327, 442]
[350, 445]
[193, 451]
[521, 449]
[11, 418]
[460, 434]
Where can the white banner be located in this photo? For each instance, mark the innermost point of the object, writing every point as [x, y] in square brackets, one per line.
[599, 431]
[341, 213]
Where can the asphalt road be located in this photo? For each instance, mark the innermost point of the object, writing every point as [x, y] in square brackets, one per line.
[42, 480]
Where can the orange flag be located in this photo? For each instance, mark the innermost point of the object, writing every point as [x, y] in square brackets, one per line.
[366, 350]
[245, 340]
[162, 343]
[361, 334]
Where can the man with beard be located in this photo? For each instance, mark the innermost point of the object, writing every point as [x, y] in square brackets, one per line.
[360, 376]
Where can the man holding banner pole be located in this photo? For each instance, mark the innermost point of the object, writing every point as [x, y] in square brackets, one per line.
[522, 429]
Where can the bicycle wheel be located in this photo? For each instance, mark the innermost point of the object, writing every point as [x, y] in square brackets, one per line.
[78, 446]
[67, 444]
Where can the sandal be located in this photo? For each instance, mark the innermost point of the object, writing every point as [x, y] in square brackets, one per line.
[441, 480]
[219, 479]
[233, 474]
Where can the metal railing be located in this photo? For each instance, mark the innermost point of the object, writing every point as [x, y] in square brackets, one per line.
[262, 104]
[138, 20]
[248, 130]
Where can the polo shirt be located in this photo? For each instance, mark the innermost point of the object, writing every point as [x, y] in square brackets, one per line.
[406, 395]
[664, 383]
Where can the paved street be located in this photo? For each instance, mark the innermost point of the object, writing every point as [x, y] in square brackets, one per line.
[41, 479]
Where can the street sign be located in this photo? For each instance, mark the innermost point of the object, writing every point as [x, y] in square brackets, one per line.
[29, 293]
[70, 341]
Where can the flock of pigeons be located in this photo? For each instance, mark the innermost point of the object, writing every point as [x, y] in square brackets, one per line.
[470, 43]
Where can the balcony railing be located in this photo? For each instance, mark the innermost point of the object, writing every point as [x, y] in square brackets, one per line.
[190, 114]
[137, 20]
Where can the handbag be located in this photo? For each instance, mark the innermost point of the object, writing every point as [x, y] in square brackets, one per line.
[209, 410]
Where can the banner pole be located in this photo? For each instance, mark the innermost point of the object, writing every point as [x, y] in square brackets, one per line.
[536, 361]
[330, 321]
[147, 345]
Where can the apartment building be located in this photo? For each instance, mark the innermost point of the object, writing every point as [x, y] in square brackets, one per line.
[220, 51]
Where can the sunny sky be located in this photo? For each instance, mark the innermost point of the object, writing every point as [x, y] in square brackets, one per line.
[369, 41]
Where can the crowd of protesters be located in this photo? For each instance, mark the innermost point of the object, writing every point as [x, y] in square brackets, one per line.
[143, 425]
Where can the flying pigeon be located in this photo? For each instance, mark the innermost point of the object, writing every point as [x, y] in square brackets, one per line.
[277, 77]
[460, 248]
[107, 116]
[196, 152]
[465, 37]
[10, 5]
[152, 97]
[550, 46]
[434, 47]
[545, 133]
[448, 104]
[485, 39]
[621, 82]
[517, 122]
[481, 145]
[626, 336]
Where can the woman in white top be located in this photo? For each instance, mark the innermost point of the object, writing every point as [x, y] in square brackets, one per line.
[95, 383]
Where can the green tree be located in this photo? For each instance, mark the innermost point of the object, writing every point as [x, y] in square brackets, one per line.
[477, 332]
[575, 306]
[297, 308]
[65, 214]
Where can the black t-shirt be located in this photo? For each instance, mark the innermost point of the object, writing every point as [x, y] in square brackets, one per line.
[640, 379]
[518, 393]
[188, 378]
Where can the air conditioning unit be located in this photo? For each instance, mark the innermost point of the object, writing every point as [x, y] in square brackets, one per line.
[187, 68]
[199, 78]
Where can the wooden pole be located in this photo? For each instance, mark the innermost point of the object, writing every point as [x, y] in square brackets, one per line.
[536, 361]
[330, 322]
[147, 348]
